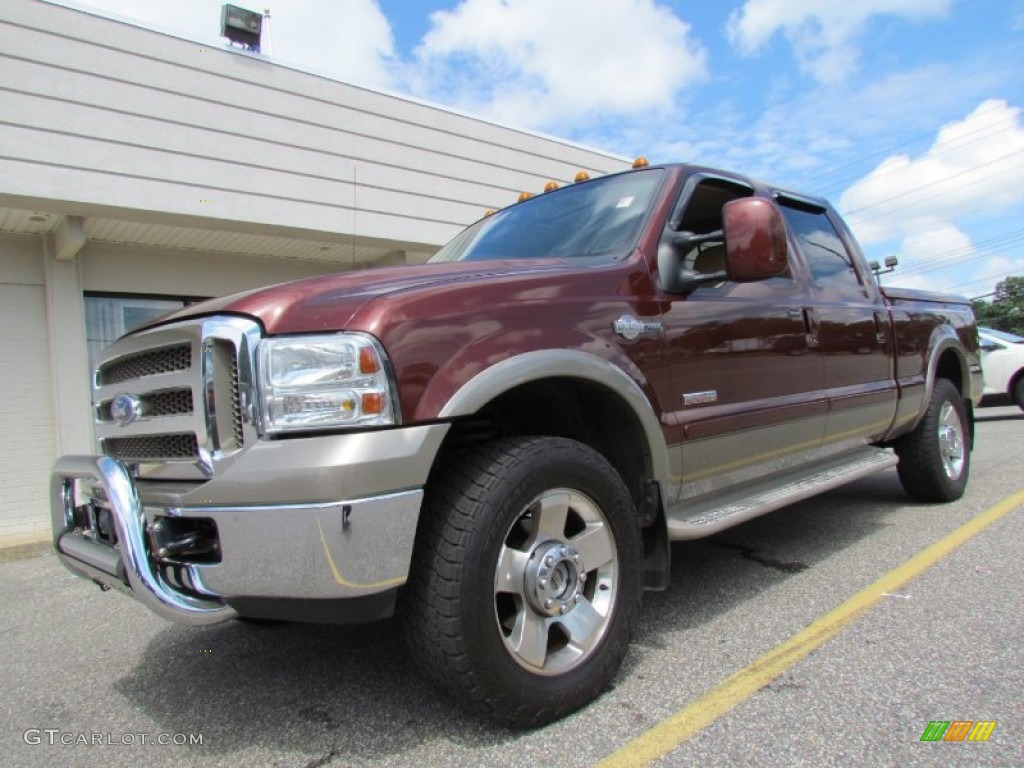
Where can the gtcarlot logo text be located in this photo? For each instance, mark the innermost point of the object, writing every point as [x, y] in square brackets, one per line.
[56, 737]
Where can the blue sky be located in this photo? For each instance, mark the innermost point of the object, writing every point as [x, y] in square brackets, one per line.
[907, 114]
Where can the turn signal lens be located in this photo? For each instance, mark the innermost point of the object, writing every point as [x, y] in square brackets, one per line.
[373, 403]
[368, 360]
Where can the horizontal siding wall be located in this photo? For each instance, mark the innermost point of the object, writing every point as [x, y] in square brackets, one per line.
[102, 112]
[155, 271]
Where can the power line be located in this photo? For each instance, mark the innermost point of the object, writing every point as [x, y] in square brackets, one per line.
[945, 179]
[957, 144]
[830, 172]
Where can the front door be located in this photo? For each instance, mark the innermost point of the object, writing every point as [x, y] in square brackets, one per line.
[745, 365]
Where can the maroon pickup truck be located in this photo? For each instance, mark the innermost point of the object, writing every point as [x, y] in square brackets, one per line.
[500, 445]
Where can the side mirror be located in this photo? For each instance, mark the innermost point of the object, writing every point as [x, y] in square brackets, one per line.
[755, 239]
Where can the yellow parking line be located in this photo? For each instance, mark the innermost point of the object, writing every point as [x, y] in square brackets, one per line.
[687, 722]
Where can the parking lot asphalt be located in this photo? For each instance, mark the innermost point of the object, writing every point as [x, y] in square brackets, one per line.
[91, 679]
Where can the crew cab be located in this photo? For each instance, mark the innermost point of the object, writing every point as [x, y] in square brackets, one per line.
[500, 445]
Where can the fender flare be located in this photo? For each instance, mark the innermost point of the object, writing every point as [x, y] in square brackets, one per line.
[944, 339]
[558, 363]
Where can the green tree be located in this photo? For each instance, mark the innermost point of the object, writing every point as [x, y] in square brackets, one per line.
[1006, 310]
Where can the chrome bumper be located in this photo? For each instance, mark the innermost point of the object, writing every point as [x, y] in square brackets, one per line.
[321, 551]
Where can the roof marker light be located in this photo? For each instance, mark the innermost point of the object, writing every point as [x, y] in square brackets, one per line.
[640, 162]
[525, 196]
[582, 176]
[551, 186]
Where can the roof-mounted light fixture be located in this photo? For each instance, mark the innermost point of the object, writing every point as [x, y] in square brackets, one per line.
[241, 27]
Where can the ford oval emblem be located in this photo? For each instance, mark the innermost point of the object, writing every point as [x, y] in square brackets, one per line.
[124, 409]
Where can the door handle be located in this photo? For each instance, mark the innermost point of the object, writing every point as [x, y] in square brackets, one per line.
[881, 327]
[811, 328]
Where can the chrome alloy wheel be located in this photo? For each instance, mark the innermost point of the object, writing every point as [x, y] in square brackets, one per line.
[555, 582]
[951, 441]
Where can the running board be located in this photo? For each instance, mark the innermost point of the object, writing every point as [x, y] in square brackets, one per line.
[694, 519]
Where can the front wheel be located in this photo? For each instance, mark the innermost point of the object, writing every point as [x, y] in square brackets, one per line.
[935, 458]
[527, 578]
[1018, 393]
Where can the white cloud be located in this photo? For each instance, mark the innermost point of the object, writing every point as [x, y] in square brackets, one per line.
[348, 39]
[557, 64]
[975, 166]
[824, 34]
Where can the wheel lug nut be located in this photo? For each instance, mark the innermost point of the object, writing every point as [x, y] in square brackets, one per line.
[548, 603]
[583, 577]
[549, 561]
[543, 584]
[564, 609]
[563, 551]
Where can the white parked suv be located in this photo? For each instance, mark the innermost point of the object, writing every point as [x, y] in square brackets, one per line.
[1002, 359]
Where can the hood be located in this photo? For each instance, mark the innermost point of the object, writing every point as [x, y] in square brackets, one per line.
[329, 302]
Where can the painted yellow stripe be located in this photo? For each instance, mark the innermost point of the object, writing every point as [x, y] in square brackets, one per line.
[687, 722]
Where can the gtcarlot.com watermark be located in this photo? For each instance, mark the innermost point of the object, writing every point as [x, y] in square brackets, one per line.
[56, 737]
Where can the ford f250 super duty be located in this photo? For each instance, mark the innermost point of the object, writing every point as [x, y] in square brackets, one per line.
[500, 445]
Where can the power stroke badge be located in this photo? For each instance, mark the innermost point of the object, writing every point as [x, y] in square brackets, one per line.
[629, 328]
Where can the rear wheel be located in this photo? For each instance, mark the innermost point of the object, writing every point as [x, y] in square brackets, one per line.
[935, 458]
[527, 579]
[1018, 393]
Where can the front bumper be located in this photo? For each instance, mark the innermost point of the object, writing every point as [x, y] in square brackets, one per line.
[267, 548]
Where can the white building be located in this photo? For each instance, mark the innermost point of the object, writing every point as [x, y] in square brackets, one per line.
[140, 170]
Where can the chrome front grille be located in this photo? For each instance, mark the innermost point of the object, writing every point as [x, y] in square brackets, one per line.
[177, 357]
[169, 402]
[153, 448]
[176, 402]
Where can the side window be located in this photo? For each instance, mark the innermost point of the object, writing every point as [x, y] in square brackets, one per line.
[703, 216]
[823, 250]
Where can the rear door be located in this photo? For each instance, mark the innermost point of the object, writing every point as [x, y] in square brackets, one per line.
[850, 324]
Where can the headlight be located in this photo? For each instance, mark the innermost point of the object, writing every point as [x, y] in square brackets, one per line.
[324, 382]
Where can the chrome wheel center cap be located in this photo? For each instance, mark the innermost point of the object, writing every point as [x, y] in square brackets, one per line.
[951, 443]
[554, 578]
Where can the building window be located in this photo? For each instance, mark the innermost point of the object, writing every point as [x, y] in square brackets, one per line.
[110, 316]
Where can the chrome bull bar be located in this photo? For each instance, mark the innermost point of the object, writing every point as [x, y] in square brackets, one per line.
[129, 561]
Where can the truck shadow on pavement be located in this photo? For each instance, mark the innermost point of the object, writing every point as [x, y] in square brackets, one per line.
[317, 690]
[711, 576]
[352, 693]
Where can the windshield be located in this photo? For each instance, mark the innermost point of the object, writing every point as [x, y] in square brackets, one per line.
[1003, 336]
[599, 219]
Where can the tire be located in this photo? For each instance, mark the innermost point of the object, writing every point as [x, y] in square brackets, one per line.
[526, 579]
[1018, 393]
[935, 459]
